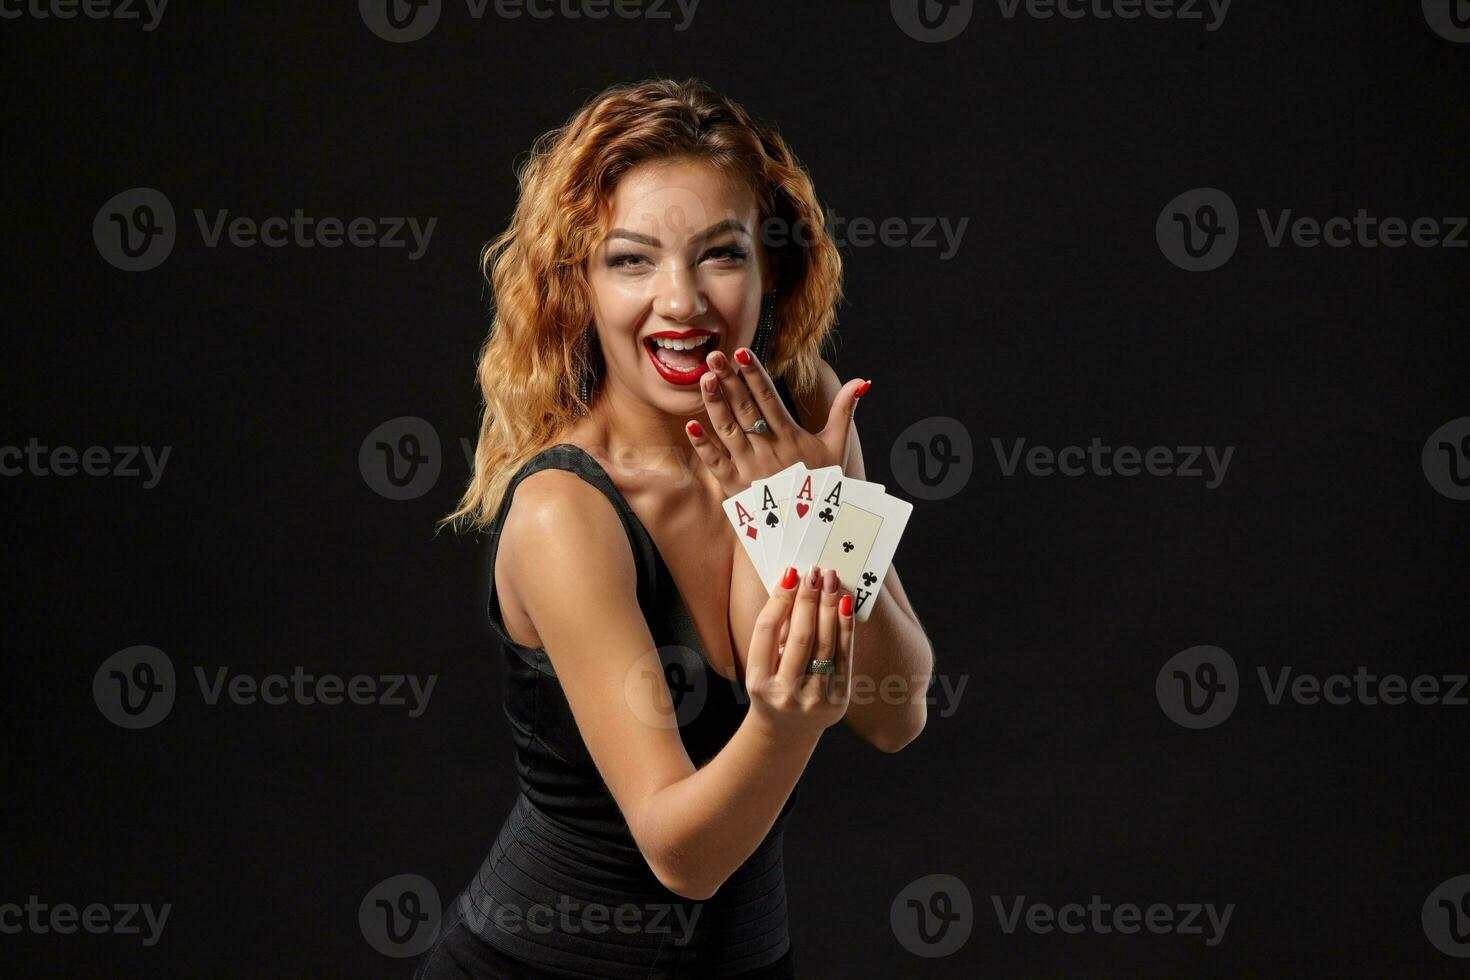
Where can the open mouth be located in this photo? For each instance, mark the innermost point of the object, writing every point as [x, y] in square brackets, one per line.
[680, 359]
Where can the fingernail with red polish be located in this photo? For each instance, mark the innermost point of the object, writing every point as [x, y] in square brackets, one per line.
[845, 606]
[788, 581]
[743, 356]
[862, 389]
[692, 427]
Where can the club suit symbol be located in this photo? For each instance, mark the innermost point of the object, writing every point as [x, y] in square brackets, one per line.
[848, 546]
[1446, 459]
[1450, 19]
[933, 458]
[1445, 917]
[1198, 687]
[825, 514]
[869, 578]
[134, 688]
[400, 21]
[400, 459]
[135, 230]
[1198, 230]
[932, 916]
[399, 916]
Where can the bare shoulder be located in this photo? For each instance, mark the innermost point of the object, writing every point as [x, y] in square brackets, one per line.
[561, 529]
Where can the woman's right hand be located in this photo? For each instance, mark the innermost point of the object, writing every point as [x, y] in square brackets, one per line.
[785, 699]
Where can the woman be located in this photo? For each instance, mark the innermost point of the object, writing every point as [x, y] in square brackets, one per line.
[636, 296]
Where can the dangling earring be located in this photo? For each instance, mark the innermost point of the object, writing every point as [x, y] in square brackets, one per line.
[764, 326]
[586, 375]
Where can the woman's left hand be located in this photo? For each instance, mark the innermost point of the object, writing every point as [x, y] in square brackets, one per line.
[735, 396]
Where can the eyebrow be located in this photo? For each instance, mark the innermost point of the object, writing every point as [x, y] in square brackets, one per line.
[729, 224]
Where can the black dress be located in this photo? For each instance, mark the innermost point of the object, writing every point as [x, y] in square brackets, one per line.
[565, 892]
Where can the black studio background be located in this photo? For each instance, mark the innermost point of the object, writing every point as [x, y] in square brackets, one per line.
[1056, 600]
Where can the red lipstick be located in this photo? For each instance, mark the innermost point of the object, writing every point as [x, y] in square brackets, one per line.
[674, 375]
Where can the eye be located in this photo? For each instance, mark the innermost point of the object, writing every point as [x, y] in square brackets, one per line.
[727, 253]
[625, 261]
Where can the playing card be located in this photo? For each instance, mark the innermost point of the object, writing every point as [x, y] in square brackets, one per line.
[741, 509]
[856, 532]
[799, 510]
[768, 495]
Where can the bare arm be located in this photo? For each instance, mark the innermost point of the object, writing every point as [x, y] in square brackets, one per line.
[575, 576]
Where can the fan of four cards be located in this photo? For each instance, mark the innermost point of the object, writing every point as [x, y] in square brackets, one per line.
[802, 517]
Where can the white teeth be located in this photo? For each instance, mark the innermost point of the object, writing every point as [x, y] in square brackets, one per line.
[689, 344]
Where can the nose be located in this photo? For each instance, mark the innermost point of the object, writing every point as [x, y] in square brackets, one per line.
[678, 295]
